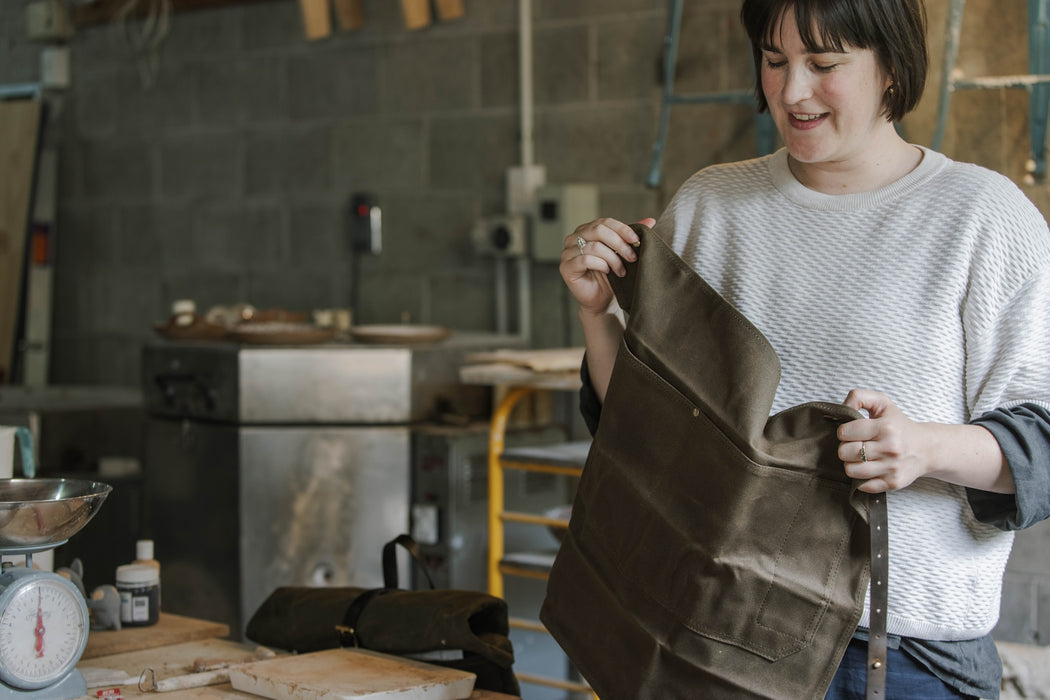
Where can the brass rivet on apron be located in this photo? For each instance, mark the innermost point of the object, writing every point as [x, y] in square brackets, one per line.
[696, 412]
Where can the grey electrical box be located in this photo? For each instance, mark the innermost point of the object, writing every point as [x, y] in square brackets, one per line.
[559, 210]
[500, 235]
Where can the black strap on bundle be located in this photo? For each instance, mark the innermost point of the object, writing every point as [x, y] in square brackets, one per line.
[348, 630]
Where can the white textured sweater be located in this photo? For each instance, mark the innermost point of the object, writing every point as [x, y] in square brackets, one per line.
[934, 290]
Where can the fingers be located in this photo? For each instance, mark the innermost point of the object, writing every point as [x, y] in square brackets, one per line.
[875, 403]
[602, 245]
[868, 447]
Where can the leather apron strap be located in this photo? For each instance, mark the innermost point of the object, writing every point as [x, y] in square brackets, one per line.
[877, 643]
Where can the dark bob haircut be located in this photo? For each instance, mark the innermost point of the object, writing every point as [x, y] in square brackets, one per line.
[894, 29]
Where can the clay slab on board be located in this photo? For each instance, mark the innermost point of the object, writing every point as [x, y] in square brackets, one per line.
[350, 674]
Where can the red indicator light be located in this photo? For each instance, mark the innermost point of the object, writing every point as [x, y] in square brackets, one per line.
[362, 210]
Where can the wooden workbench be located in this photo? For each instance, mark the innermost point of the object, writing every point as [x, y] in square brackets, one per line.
[175, 646]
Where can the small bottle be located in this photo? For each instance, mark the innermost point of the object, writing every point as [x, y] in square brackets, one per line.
[144, 556]
[139, 588]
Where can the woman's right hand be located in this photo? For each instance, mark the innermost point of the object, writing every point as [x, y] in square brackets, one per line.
[591, 252]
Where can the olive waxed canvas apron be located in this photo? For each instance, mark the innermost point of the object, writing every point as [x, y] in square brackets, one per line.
[713, 551]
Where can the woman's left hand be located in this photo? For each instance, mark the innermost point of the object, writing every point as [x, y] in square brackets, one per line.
[886, 451]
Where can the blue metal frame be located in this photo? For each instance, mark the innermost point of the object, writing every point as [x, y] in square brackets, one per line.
[765, 133]
[1036, 83]
[20, 91]
[1039, 95]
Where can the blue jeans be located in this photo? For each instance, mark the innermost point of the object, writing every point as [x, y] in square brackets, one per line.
[906, 679]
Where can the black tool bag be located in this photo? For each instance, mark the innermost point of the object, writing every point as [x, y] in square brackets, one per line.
[433, 623]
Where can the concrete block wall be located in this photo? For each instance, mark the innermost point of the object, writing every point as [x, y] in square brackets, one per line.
[227, 179]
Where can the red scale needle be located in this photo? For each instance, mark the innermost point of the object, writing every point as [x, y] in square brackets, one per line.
[39, 625]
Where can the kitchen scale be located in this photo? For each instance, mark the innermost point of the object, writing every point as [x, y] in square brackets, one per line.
[44, 619]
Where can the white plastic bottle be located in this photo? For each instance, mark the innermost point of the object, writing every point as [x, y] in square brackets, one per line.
[144, 556]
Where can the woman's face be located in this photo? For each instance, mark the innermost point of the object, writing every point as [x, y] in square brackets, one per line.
[827, 106]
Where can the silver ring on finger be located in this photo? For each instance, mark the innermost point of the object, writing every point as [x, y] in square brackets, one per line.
[580, 242]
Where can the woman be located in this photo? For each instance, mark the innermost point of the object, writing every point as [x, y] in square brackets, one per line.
[915, 287]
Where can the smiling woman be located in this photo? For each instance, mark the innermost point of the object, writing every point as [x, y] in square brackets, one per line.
[917, 296]
[833, 96]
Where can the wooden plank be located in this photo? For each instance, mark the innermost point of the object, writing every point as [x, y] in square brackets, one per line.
[546, 360]
[170, 629]
[171, 660]
[19, 137]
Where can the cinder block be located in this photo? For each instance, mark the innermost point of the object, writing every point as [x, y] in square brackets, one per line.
[609, 146]
[561, 65]
[500, 84]
[426, 232]
[174, 226]
[251, 90]
[136, 240]
[293, 290]
[728, 135]
[307, 159]
[1042, 616]
[1029, 555]
[634, 73]
[200, 166]
[163, 104]
[376, 154]
[1017, 611]
[472, 151]
[553, 308]
[390, 298]
[318, 236]
[126, 301]
[205, 34]
[274, 26]
[333, 84]
[432, 75]
[117, 169]
[629, 204]
[462, 299]
[240, 236]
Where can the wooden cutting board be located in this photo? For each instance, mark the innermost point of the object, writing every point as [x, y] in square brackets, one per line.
[350, 674]
[170, 629]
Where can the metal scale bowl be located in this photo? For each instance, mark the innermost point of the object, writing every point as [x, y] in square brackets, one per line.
[43, 617]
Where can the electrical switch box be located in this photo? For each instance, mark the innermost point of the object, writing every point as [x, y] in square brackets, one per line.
[54, 67]
[559, 210]
[48, 20]
[500, 235]
[366, 224]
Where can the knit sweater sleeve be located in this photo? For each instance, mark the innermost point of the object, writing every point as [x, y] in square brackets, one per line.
[1004, 310]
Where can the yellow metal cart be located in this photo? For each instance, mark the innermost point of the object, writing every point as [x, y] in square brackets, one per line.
[561, 459]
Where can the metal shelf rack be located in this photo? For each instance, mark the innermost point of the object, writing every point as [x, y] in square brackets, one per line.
[562, 459]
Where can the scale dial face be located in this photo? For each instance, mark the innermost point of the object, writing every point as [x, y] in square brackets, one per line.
[43, 628]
